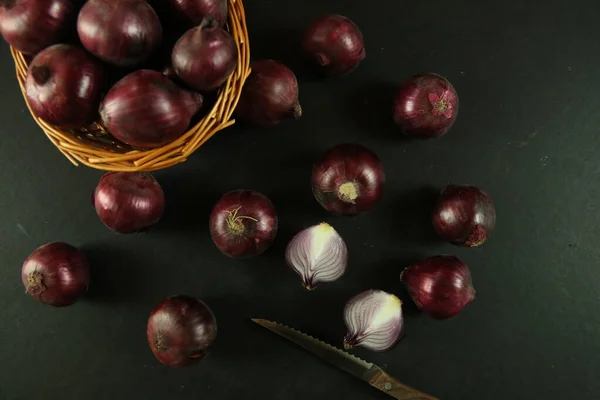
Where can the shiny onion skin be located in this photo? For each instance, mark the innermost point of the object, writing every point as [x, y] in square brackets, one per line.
[56, 274]
[270, 94]
[119, 32]
[32, 25]
[243, 223]
[464, 215]
[180, 330]
[205, 56]
[334, 44]
[128, 202]
[63, 86]
[146, 109]
[195, 11]
[348, 179]
[440, 286]
[425, 106]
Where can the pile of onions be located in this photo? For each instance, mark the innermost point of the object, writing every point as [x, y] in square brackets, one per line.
[270, 94]
[56, 274]
[348, 179]
[64, 85]
[128, 202]
[195, 11]
[243, 223]
[32, 25]
[122, 33]
[146, 109]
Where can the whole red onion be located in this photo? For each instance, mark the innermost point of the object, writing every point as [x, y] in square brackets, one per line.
[270, 94]
[56, 274]
[440, 286]
[196, 10]
[348, 179]
[129, 202]
[205, 56]
[334, 44]
[243, 223]
[32, 25]
[426, 106]
[464, 215]
[64, 85]
[180, 330]
[146, 109]
[122, 33]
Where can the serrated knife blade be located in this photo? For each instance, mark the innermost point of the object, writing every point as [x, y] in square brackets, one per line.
[353, 365]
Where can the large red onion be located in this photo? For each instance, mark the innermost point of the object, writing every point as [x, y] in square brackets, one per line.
[426, 106]
[243, 223]
[270, 94]
[64, 85]
[180, 330]
[348, 179]
[56, 274]
[334, 44]
[32, 25]
[440, 286]
[464, 215]
[205, 56]
[129, 202]
[146, 109]
[122, 33]
[196, 10]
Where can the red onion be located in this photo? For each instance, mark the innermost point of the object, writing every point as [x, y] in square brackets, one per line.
[180, 330]
[205, 56]
[270, 94]
[317, 254]
[243, 223]
[464, 215]
[122, 33]
[440, 286]
[129, 202]
[348, 179]
[32, 25]
[196, 10]
[64, 85]
[374, 320]
[335, 44]
[56, 274]
[426, 106]
[146, 109]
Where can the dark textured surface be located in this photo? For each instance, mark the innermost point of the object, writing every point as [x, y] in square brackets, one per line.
[527, 131]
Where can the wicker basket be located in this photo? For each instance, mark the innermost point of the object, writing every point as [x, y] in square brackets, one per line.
[94, 147]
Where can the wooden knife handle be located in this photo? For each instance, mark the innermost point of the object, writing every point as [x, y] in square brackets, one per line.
[397, 390]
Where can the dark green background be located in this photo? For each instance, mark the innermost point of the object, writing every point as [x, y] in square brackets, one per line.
[527, 76]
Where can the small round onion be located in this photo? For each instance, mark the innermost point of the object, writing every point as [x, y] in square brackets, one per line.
[426, 106]
[128, 202]
[464, 215]
[180, 330]
[56, 274]
[334, 44]
[195, 11]
[348, 179]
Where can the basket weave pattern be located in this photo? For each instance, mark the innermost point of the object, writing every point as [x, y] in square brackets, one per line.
[94, 147]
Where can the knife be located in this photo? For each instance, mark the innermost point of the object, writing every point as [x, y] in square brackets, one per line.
[361, 369]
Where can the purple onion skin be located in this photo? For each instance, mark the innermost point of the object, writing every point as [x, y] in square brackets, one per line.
[348, 179]
[64, 85]
[205, 56]
[32, 25]
[334, 44]
[146, 109]
[123, 33]
[56, 274]
[194, 11]
[270, 94]
[128, 202]
[426, 106]
[243, 223]
[464, 215]
[440, 286]
[180, 330]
